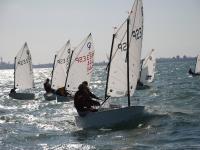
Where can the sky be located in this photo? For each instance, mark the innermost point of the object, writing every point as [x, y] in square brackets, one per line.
[171, 27]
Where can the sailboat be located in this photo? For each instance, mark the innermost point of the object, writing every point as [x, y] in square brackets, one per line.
[122, 74]
[197, 67]
[147, 72]
[23, 75]
[80, 67]
[59, 72]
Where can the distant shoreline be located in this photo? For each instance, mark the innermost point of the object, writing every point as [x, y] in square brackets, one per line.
[50, 65]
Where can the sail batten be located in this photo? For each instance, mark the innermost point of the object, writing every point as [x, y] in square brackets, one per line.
[23, 69]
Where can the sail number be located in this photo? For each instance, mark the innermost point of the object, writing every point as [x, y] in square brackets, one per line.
[24, 61]
[122, 46]
[62, 61]
[137, 34]
[89, 58]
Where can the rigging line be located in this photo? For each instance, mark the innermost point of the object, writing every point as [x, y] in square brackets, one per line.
[104, 101]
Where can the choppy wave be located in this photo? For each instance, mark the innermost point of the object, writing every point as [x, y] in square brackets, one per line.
[171, 120]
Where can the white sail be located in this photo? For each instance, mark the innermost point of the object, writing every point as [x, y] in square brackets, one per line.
[135, 43]
[148, 68]
[197, 68]
[117, 83]
[81, 64]
[23, 69]
[61, 64]
[117, 80]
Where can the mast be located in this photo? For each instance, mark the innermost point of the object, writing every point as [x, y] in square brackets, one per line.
[14, 71]
[109, 65]
[68, 68]
[127, 57]
[53, 68]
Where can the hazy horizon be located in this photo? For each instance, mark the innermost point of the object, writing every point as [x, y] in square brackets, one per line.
[170, 27]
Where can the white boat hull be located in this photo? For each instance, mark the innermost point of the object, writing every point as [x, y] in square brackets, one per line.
[22, 96]
[49, 96]
[110, 118]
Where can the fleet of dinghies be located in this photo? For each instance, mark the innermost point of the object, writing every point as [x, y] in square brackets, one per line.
[125, 72]
[72, 67]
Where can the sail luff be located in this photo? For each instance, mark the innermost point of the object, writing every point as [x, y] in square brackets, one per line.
[68, 68]
[53, 69]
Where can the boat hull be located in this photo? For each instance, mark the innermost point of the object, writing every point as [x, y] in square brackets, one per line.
[22, 96]
[63, 98]
[110, 118]
[143, 87]
[49, 96]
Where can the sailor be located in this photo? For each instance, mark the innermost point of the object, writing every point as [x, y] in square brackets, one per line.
[87, 90]
[139, 83]
[190, 71]
[83, 100]
[62, 92]
[12, 91]
[47, 86]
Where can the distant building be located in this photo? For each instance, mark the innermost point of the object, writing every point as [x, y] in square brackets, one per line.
[184, 57]
[177, 57]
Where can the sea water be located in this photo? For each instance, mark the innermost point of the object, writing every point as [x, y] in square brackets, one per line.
[172, 105]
